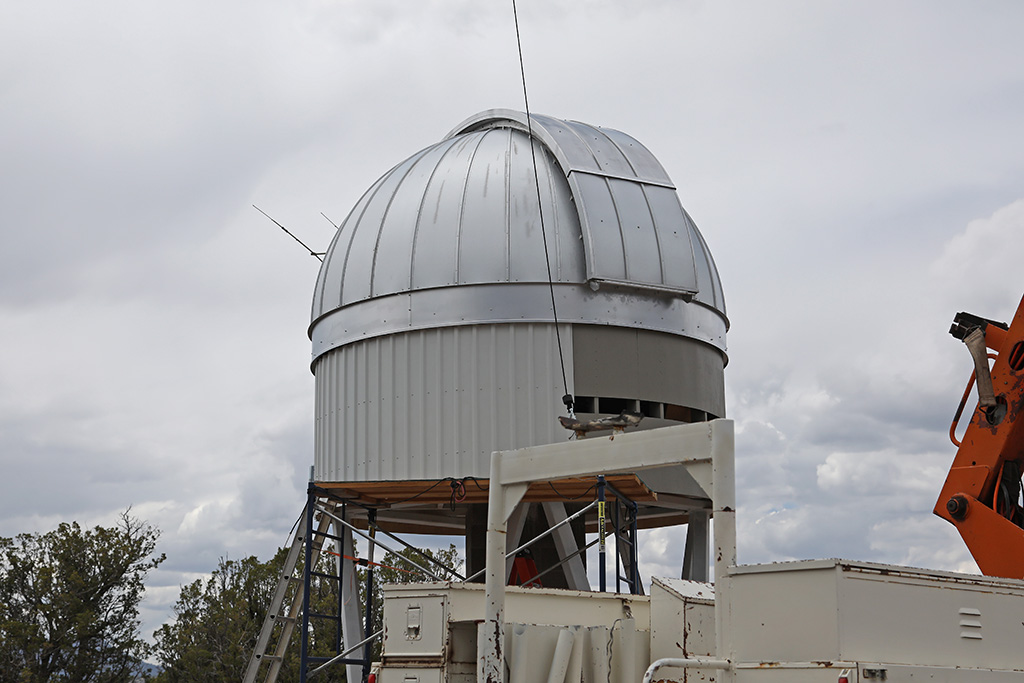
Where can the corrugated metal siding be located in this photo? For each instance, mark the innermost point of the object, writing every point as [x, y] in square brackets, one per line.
[436, 403]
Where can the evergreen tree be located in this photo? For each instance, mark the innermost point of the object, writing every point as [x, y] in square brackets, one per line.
[69, 603]
[218, 619]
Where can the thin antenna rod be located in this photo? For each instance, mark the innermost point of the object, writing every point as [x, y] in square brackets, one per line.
[336, 226]
[567, 398]
[317, 256]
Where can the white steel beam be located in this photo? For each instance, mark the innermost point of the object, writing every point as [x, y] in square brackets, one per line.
[688, 444]
[698, 446]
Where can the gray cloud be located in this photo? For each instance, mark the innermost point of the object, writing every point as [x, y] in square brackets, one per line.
[855, 169]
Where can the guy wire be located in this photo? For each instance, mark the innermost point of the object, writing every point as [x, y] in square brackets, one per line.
[567, 398]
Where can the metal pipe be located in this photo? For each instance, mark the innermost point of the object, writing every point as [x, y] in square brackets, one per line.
[519, 666]
[723, 495]
[421, 553]
[347, 652]
[536, 538]
[634, 569]
[339, 566]
[374, 542]
[618, 549]
[561, 562]
[368, 650]
[601, 548]
[563, 652]
[610, 488]
[689, 662]
[352, 628]
[491, 632]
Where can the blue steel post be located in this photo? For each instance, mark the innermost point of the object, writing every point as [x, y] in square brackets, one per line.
[304, 652]
[601, 549]
[371, 518]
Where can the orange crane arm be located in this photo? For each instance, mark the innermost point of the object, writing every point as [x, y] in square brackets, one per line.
[981, 496]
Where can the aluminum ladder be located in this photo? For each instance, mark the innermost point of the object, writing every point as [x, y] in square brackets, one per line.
[284, 622]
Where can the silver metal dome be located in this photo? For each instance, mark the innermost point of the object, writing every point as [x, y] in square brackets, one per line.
[434, 343]
[451, 236]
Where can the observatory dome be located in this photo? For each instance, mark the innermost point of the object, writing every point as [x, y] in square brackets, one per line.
[451, 236]
[433, 337]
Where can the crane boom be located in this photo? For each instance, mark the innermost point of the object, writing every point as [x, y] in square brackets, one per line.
[981, 495]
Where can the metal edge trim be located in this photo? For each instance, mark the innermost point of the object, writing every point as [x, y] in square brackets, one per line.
[499, 303]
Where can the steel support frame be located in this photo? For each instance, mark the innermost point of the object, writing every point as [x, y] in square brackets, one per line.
[351, 626]
[347, 628]
[705, 449]
[629, 560]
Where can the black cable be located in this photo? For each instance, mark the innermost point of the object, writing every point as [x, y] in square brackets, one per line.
[567, 397]
[428, 490]
[475, 482]
[565, 497]
[458, 493]
[458, 487]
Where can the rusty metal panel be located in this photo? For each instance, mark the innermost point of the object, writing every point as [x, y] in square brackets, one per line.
[682, 625]
[608, 629]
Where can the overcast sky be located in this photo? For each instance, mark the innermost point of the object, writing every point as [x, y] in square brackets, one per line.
[857, 170]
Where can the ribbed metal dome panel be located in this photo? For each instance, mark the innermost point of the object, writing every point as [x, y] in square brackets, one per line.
[461, 212]
[426, 241]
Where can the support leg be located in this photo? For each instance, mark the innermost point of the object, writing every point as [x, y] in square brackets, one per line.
[565, 544]
[695, 555]
[351, 624]
[514, 536]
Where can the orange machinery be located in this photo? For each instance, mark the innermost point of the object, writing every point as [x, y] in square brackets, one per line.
[981, 496]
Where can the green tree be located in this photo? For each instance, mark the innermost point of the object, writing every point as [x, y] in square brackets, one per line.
[69, 603]
[218, 620]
